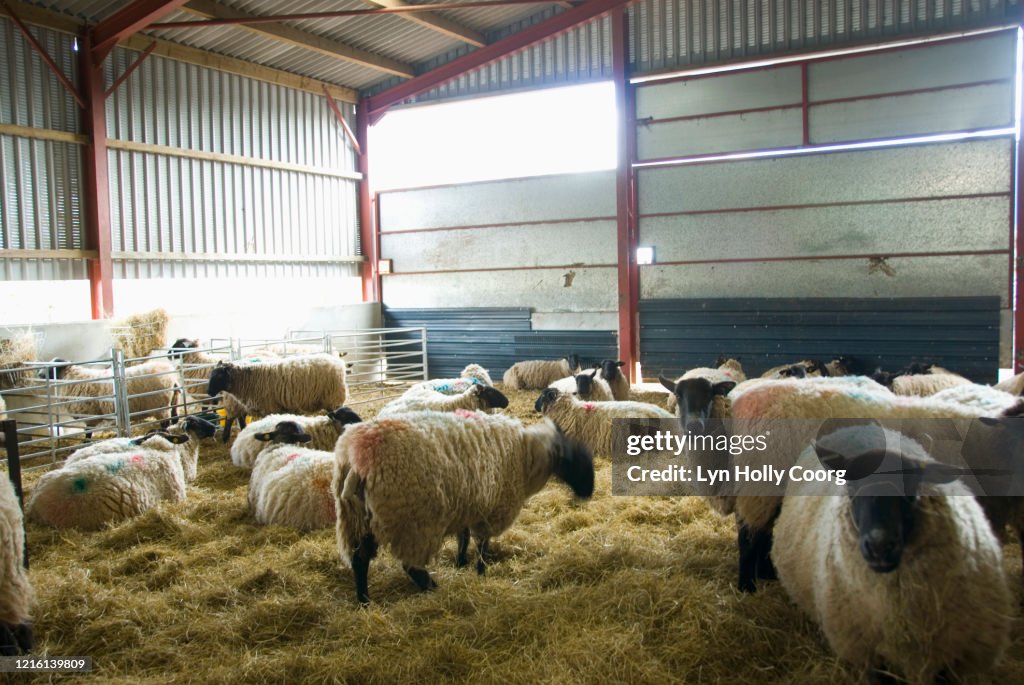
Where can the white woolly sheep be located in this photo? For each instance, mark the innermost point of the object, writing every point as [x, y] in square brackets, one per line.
[586, 385]
[473, 374]
[291, 484]
[152, 390]
[537, 374]
[726, 370]
[755, 412]
[982, 397]
[900, 570]
[291, 385]
[322, 429]
[476, 397]
[16, 594]
[610, 371]
[409, 481]
[591, 422]
[108, 487]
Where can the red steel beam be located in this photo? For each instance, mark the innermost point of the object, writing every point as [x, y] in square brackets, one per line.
[337, 14]
[96, 181]
[45, 56]
[625, 201]
[127, 21]
[369, 232]
[591, 9]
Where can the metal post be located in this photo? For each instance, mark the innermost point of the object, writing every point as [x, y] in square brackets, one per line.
[10, 430]
[122, 413]
[328, 346]
[423, 338]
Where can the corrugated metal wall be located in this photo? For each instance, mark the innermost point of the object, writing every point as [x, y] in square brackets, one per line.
[290, 217]
[546, 242]
[671, 34]
[40, 204]
[927, 220]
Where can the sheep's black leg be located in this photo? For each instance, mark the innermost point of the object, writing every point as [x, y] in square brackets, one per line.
[748, 559]
[364, 552]
[241, 422]
[8, 642]
[23, 635]
[880, 677]
[420, 576]
[762, 540]
[1020, 537]
[462, 558]
[481, 551]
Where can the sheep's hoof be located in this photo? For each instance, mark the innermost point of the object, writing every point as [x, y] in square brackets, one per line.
[747, 585]
[481, 567]
[422, 579]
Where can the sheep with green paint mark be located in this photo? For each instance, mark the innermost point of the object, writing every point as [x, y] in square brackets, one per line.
[108, 487]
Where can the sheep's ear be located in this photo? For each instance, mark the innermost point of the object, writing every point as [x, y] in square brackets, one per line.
[140, 440]
[723, 388]
[857, 468]
[620, 363]
[669, 384]
[264, 437]
[303, 437]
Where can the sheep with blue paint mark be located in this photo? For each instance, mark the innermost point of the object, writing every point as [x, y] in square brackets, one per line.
[476, 397]
[108, 487]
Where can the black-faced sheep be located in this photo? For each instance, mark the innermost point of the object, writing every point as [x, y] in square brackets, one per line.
[409, 481]
[323, 431]
[898, 566]
[591, 423]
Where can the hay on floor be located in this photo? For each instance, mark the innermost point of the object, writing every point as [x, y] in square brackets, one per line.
[618, 589]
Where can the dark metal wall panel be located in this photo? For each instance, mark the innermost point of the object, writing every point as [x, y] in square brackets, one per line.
[495, 338]
[959, 333]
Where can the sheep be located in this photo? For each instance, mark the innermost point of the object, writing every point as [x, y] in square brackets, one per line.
[899, 569]
[108, 487]
[16, 593]
[151, 387]
[409, 481]
[477, 372]
[476, 397]
[726, 370]
[537, 374]
[473, 374]
[323, 431]
[1013, 385]
[921, 380]
[586, 385]
[811, 368]
[290, 484]
[301, 384]
[756, 411]
[986, 398]
[609, 370]
[591, 422]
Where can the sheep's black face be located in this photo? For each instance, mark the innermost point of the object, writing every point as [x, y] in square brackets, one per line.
[883, 377]
[694, 399]
[573, 464]
[491, 397]
[885, 523]
[546, 399]
[220, 380]
[182, 344]
[285, 432]
[199, 427]
[574, 362]
[55, 371]
[795, 371]
[343, 416]
[610, 369]
[584, 384]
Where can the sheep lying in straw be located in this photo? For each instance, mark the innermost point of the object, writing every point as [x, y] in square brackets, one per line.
[591, 422]
[473, 374]
[920, 380]
[300, 385]
[152, 390]
[409, 481]
[585, 385]
[16, 594]
[291, 484]
[898, 567]
[323, 432]
[538, 374]
[475, 397]
[726, 370]
[108, 487]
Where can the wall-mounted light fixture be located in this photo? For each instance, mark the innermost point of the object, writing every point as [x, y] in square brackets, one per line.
[645, 254]
[384, 266]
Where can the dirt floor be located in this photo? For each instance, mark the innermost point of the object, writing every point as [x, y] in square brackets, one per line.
[615, 590]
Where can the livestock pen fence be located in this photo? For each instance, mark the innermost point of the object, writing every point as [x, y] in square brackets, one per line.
[127, 396]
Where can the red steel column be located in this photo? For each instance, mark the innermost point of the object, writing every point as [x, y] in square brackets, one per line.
[625, 200]
[96, 181]
[368, 230]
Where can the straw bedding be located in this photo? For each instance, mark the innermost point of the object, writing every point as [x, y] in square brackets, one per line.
[636, 590]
